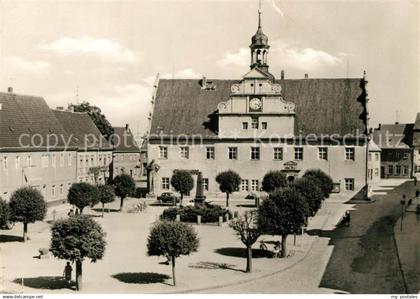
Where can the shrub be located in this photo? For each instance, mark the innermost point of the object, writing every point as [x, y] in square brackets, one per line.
[82, 195]
[209, 213]
[272, 180]
[124, 186]
[172, 239]
[282, 213]
[140, 192]
[4, 213]
[229, 182]
[324, 181]
[106, 195]
[311, 192]
[182, 182]
[27, 205]
[75, 239]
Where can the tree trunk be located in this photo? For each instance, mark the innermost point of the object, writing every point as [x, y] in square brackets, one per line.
[249, 259]
[283, 245]
[227, 199]
[121, 203]
[103, 208]
[81, 210]
[78, 275]
[173, 271]
[25, 231]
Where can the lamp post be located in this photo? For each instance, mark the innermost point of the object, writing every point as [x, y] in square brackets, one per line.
[402, 202]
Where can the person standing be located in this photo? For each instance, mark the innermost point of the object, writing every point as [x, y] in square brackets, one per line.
[67, 273]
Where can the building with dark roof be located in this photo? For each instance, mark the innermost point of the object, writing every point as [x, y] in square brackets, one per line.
[256, 124]
[35, 150]
[94, 154]
[126, 155]
[396, 143]
[416, 147]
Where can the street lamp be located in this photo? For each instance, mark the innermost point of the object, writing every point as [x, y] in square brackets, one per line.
[402, 202]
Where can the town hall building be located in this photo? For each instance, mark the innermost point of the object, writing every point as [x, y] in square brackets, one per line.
[256, 124]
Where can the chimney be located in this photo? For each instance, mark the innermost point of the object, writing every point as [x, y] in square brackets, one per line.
[10, 89]
[379, 127]
[306, 76]
[282, 75]
[126, 126]
[204, 82]
[397, 123]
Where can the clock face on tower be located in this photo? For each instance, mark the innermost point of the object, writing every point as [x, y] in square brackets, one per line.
[255, 105]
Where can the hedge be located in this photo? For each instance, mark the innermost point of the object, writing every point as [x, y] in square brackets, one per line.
[209, 213]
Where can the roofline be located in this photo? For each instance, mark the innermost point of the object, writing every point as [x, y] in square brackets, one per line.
[240, 79]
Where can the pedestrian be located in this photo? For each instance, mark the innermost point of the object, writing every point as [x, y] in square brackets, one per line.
[67, 273]
[277, 249]
[415, 180]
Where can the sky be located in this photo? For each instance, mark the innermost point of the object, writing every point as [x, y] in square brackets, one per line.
[109, 52]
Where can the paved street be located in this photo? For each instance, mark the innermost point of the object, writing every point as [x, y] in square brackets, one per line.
[361, 258]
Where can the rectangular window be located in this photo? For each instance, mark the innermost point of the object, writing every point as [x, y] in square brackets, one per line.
[205, 184]
[278, 153]
[376, 172]
[349, 184]
[233, 153]
[184, 152]
[398, 169]
[53, 190]
[376, 157]
[405, 170]
[163, 152]
[29, 161]
[61, 189]
[298, 153]
[390, 169]
[323, 153]
[350, 153]
[254, 123]
[244, 185]
[406, 155]
[92, 160]
[17, 162]
[264, 125]
[245, 126]
[254, 185]
[210, 153]
[69, 159]
[255, 153]
[165, 183]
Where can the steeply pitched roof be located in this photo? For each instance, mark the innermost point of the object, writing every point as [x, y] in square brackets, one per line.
[373, 147]
[22, 114]
[417, 122]
[83, 130]
[394, 136]
[323, 106]
[123, 141]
